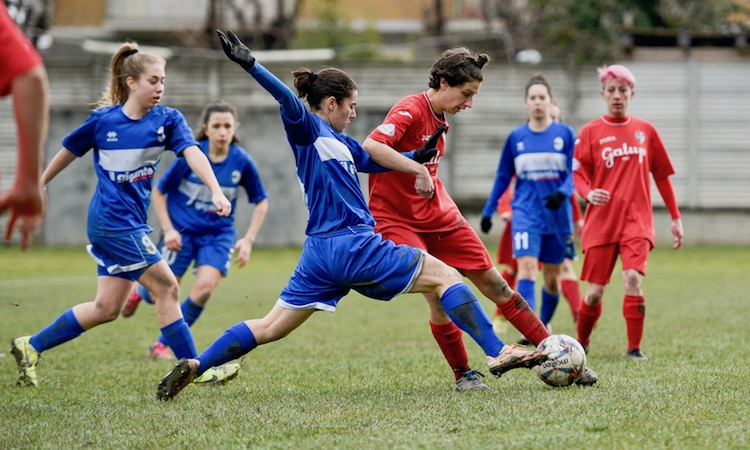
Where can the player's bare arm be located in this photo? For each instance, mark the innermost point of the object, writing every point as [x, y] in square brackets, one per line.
[392, 159]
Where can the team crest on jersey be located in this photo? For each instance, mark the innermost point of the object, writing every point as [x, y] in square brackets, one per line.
[387, 129]
[640, 137]
[160, 134]
[558, 143]
[520, 147]
[236, 176]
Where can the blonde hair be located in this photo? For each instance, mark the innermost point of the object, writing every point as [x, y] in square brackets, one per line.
[126, 62]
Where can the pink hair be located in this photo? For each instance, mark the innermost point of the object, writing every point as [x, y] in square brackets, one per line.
[618, 72]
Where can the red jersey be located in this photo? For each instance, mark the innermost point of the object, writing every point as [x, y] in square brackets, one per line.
[393, 200]
[618, 156]
[17, 54]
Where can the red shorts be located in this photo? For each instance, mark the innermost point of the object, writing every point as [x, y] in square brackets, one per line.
[460, 248]
[599, 261]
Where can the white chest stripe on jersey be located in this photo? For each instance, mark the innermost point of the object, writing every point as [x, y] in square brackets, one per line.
[199, 192]
[330, 148]
[541, 165]
[128, 160]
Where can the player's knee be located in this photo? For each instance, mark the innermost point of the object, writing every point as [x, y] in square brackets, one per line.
[106, 311]
[632, 279]
[551, 286]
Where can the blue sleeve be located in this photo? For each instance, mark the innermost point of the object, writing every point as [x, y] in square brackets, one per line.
[296, 122]
[82, 139]
[362, 159]
[250, 180]
[567, 187]
[176, 171]
[179, 136]
[505, 170]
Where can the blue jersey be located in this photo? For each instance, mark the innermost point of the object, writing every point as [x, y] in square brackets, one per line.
[327, 162]
[543, 162]
[189, 200]
[126, 153]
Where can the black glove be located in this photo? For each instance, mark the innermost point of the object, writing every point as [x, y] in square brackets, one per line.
[486, 224]
[236, 50]
[428, 150]
[555, 199]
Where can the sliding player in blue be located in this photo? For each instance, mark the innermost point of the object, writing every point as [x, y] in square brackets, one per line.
[128, 133]
[342, 252]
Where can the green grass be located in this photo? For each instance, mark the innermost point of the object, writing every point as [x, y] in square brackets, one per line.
[370, 376]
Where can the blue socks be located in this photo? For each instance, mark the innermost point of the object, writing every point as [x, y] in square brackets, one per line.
[234, 343]
[467, 313]
[177, 335]
[144, 293]
[528, 291]
[63, 329]
[549, 305]
[190, 312]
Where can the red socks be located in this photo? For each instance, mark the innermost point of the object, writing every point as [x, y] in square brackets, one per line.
[587, 317]
[517, 312]
[509, 278]
[571, 290]
[450, 339]
[634, 311]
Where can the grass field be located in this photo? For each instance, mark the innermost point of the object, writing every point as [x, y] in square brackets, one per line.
[371, 377]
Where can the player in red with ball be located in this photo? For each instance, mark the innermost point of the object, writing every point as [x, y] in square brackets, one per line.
[614, 156]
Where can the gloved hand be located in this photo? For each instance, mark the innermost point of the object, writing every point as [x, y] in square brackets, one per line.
[428, 150]
[555, 199]
[236, 50]
[486, 224]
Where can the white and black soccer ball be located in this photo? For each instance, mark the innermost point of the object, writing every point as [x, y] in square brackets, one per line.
[566, 360]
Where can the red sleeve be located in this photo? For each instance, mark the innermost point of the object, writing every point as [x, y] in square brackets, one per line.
[391, 132]
[661, 166]
[17, 54]
[667, 194]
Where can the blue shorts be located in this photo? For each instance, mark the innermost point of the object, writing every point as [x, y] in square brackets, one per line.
[353, 258]
[213, 250]
[125, 256]
[547, 248]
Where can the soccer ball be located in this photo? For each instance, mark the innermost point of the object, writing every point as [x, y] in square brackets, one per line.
[566, 360]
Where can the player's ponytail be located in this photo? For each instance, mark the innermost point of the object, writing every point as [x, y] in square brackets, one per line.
[316, 87]
[458, 66]
[126, 62]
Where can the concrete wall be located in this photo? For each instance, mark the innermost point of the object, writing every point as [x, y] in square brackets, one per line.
[707, 142]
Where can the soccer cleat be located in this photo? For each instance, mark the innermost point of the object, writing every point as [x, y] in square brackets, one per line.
[160, 351]
[180, 376]
[133, 300]
[514, 357]
[26, 358]
[469, 381]
[219, 375]
[635, 354]
[589, 378]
